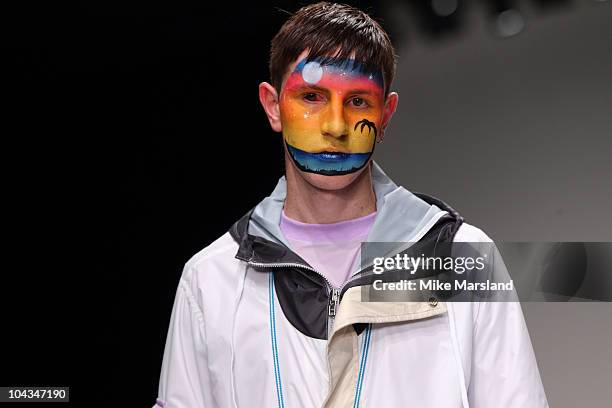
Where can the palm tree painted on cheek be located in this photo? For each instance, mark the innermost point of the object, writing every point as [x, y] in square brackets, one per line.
[364, 123]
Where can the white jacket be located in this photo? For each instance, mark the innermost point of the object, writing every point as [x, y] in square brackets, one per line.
[251, 327]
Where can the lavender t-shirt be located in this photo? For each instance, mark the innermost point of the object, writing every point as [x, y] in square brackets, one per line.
[332, 249]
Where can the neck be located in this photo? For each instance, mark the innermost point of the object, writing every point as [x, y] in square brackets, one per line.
[314, 205]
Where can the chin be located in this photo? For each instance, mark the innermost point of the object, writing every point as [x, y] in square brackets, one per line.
[332, 183]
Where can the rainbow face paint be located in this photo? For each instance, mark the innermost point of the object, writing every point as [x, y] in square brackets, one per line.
[331, 115]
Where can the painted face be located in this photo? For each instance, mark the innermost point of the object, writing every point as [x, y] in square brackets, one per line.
[331, 115]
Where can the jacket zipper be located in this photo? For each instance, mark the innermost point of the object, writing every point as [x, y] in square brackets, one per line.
[334, 299]
[333, 293]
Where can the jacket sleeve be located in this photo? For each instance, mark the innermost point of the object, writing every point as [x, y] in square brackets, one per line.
[504, 371]
[184, 380]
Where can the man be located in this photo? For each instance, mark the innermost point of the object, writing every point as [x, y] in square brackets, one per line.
[271, 313]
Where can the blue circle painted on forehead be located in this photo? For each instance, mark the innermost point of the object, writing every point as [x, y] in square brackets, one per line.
[312, 69]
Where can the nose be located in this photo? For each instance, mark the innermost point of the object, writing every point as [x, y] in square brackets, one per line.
[334, 124]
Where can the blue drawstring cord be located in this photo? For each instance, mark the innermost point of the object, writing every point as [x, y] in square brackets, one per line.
[277, 374]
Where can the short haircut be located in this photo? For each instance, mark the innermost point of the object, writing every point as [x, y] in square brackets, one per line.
[326, 27]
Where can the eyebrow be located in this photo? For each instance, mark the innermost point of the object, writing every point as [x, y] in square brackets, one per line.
[360, 91]
[306, 87]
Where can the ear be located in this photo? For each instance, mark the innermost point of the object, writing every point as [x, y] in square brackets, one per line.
[269, 100]
[390, 107]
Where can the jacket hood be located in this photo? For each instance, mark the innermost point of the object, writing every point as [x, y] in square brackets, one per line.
[401, 215]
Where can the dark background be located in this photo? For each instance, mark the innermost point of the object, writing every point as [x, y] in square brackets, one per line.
[133, 137]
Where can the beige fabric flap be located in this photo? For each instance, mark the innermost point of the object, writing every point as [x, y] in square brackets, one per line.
[343, 346]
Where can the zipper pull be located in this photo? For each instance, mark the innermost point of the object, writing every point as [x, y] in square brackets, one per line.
[333, 302]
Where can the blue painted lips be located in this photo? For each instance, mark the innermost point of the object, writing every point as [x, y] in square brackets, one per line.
[328, 163]
[331, 156]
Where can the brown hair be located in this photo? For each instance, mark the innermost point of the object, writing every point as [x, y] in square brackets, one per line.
[326, 27]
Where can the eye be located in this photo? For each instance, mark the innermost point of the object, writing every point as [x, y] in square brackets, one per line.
[359, 102]
[311, 97]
